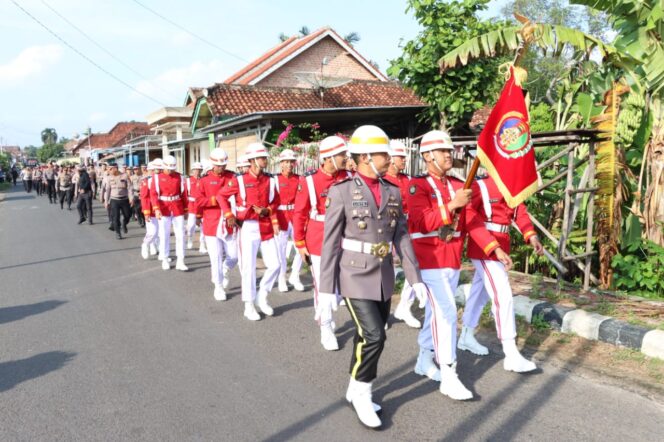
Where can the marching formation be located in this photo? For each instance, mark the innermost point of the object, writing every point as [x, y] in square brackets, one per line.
[353, 227]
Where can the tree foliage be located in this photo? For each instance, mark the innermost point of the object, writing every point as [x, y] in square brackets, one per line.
[454, 95]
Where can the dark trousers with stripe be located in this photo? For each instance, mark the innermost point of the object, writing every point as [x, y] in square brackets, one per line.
[370, 318]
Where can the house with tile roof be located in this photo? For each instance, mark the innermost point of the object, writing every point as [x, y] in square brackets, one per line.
[93, 146]
[314, 78]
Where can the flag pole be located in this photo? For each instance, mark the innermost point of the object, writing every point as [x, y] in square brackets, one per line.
[527, 34]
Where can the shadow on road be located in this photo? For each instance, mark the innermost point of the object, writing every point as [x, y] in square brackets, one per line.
[312, 419]
[19, 197]
[18, 312]
[44, 261]
[13, 373]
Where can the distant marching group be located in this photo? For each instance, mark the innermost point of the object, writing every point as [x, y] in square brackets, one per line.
[346, 223]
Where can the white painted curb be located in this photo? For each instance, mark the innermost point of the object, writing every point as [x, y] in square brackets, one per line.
[653, 344]
[584, 324]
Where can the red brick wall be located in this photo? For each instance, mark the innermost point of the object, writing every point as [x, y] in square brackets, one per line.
[340, 65]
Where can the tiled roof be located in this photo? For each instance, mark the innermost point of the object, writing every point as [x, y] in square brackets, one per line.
[234, 100]
[117, 136]
[290, 47]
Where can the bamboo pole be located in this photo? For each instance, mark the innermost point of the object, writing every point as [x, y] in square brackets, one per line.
[566, 221]
[589, 216]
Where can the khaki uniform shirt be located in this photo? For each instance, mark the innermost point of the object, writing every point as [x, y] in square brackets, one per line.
[352, 214]
[118, 187]
[136, 184]
[64, 181]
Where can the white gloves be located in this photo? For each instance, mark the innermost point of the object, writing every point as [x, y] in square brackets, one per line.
[421, 293]
[327, 302]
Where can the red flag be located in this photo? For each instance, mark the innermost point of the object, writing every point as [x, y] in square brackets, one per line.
[504, 146]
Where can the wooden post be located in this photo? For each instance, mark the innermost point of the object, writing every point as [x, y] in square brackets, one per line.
[589, 215]
[566, 213]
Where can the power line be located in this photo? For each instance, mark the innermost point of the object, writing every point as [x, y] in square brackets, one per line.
[208, 42]
[88, 59]
[109, 53]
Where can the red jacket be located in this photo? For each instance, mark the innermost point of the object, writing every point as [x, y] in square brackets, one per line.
[251, 190]
[308, 224]
[402, 181]
[484, 239]
[192, 191]
[287, 189]
[426, 216]
[144, 196]
[168, 193]
[206, 204]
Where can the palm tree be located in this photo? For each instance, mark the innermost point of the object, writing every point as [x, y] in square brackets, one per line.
[352, 37]
[49, 136]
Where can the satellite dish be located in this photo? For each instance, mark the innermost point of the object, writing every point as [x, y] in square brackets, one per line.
[318, 81]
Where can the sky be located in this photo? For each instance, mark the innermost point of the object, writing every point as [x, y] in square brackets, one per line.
[45, 83]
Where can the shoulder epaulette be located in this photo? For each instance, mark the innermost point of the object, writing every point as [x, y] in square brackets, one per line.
[311, 172]
[422, 175]
[388, 182]
[346, 179]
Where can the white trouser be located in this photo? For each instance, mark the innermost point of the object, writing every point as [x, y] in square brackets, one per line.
[165, 223]
[440, 314]
[491, 283]
[326, 316]
[407, 293]
[151, 231]
[285, 243]
[250, 242]
[191, 225]
[222, 250]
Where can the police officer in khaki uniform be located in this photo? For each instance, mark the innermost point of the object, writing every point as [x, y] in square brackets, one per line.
[118, 189]
[364, 219]
[136, 178]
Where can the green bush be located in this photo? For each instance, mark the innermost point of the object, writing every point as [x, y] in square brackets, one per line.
[640, 269]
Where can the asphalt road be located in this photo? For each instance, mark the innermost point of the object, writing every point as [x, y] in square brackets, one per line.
[97, 344]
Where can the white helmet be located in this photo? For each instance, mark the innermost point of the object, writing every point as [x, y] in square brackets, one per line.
[287, 155]
[330, 146]
[157, 163]
[197, 165]
[242, 161]
[436, 139]
[218, 157]
[398, 149]
[369, 139]
[170, 163]
[256, 150]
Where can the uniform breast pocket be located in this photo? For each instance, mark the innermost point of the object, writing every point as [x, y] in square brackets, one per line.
[354, 261]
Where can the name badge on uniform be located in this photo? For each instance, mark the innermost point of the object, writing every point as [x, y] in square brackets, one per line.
[360, 204]
[249, 185]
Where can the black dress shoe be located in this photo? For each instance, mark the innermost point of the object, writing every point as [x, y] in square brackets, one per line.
[91, 223]
[81, 221]
[124, 229]
[111, 228]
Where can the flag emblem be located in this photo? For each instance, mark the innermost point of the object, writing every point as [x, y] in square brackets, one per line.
[512, 136]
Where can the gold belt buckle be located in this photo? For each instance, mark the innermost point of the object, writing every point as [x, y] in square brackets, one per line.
[380, 249]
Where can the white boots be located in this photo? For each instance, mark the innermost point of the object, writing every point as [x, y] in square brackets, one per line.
[153, 250]
[283, 287]
[225, 275]
[202, 249]
[179, 265]
[514, 361]
[294, 280]
[250, 311]
[165, 265]
[403, 313]
[327, 338]
[468, 342]
[359, 395]
[426, 366]
[145, 252]
[451, 386]
[219, 292]
[263, 305]
[190, 243]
